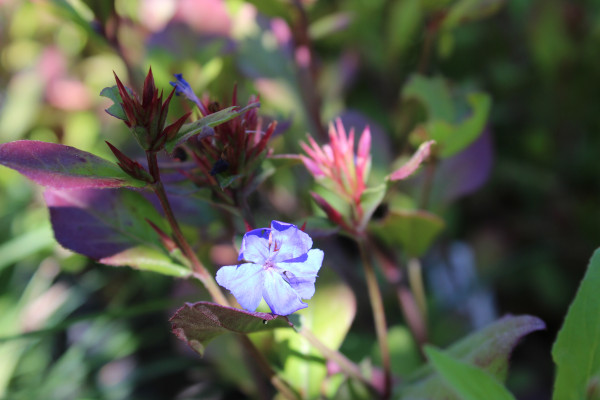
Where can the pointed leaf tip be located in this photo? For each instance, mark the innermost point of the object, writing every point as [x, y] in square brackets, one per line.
[63, 167]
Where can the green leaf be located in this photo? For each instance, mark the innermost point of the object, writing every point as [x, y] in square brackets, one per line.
[413, 230]
[304, 367]
[111, 226]
[453, 138]
[25, 245]
[576, 351]
[63, 167]
[434, 93]
[199, 323]
[370, 200]
[226, 181]
[470, 10]
[116, 110]
[452, 127]
[469, 382]
[146, 258]
[404, 20]
[488, 348]
[210, 121]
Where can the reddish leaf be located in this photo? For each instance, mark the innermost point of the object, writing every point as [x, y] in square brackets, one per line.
[63, 167]
[199, 323]
[101, 223]
[411, 166]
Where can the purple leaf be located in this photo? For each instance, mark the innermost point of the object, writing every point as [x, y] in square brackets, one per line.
[488, 348]
[63, 167]
[465, 172]
[110, 226]
[199, 323]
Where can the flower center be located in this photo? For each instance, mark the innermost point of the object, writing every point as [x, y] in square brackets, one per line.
[269, 264]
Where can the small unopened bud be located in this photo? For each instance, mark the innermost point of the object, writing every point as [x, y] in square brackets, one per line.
[129, 166]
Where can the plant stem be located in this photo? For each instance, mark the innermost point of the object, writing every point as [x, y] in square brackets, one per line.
[411, 311]
[199, 270]
[202, 274]
[378, 316]
[281, 385]
[428, 183]
[350, 368]
[415, 277]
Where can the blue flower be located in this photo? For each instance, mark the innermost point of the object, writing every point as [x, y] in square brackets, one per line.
[281, 267]
[182, 87]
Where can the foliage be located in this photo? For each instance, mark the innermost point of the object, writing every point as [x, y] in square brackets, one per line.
[456, 183]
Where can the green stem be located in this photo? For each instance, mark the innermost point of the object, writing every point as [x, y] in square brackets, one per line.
[427, 185]
[415, 277]
[378, 316]
[344, 363]
[412, 314]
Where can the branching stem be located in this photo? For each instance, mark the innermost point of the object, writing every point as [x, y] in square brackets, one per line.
[202, 274]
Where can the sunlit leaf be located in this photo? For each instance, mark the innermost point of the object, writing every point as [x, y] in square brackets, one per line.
[304, 366]
[116, 110]
[63, 167]
[110, 226]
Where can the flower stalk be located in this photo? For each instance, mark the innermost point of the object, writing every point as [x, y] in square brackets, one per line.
[379, 317]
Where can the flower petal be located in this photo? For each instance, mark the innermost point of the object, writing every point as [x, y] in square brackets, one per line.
[244, 281]
[301, 272]
[255, 246]
[291, 242]
[279, 295]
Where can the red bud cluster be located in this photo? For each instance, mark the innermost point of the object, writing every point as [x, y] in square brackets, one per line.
[236, 148]
[147, 118]
[129, 166]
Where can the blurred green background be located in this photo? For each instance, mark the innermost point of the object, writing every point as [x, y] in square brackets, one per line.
[70, 328]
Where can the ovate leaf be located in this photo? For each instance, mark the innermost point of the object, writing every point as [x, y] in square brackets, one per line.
[116, 110]
[455, 137]
[488, 349]
[576, 351]
[434, 94]
[110, 226]
[199, 323]
[413, 230]
[467, 381]
[63, 167]
[455, 118]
